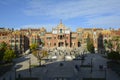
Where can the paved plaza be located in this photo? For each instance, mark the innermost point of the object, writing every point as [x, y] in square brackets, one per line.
[60, 67]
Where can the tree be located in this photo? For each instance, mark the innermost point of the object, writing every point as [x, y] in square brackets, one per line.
[44, 53]
[43, 43]
[109, 45]
[1, 55]
[118, 47]
[9, 55]
[113, 55]
[3, 47]
[105, 43]
[116, 39]
[41, 54]
[90, 46]
[33, 46]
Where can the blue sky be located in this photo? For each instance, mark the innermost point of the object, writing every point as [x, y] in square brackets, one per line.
[48, 13]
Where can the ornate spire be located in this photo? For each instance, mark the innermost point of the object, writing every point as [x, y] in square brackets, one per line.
[60, 21]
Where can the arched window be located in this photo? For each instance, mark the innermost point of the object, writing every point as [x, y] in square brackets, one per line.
[60, 30]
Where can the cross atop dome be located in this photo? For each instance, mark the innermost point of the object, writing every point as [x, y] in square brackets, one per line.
[60, 21]
[61, 25]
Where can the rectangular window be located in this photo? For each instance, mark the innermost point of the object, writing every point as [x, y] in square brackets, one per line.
[61, 37]
[49, 38]
[4, 37]
[16, 40]
[66, 37]
[73, 37]
[12, 40]
[66, 44]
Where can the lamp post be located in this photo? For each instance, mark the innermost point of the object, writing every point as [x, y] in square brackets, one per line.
[15, 67]
[64, 57]
[30, 66]
[91, 64]
[82, 60]
[105, 69]
[38, 55]
[91, 67]
[93, 58]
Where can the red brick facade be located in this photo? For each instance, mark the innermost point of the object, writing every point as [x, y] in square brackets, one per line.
[61, 37]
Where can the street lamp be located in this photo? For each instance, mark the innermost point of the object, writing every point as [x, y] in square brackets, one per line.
[65, 53]
[105, 69]
[15, 67]
[30, 66]
[91, 67]
[39, 58]
[91, 64]
[82, 58]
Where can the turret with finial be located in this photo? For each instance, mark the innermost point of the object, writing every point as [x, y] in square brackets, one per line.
[60, 21]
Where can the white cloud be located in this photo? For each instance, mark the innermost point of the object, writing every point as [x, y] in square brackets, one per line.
[72, 8]
[94, 11]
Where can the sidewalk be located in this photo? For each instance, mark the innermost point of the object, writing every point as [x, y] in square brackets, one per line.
[96, 72]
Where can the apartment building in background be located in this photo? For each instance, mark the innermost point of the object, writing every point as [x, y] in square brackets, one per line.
[19, 42]
[5, 35]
